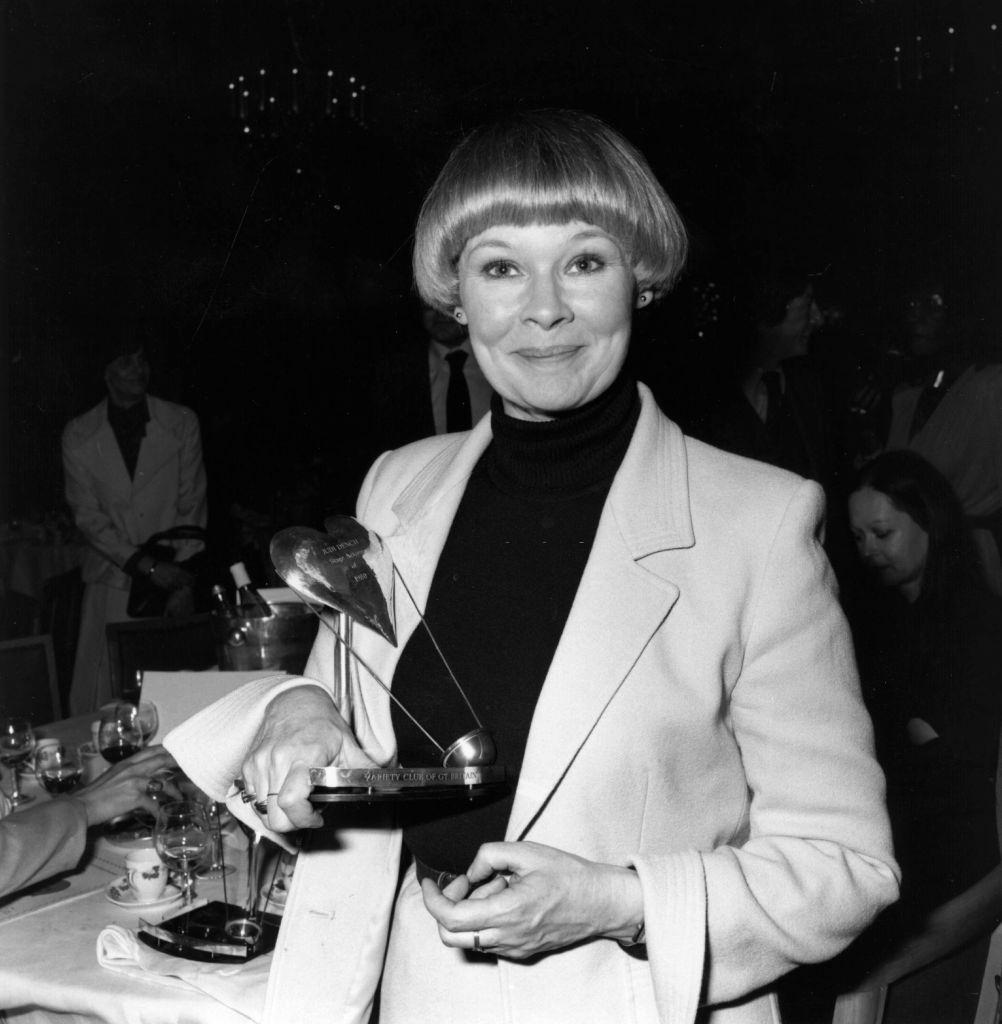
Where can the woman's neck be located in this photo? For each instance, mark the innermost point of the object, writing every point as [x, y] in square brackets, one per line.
[574, 453]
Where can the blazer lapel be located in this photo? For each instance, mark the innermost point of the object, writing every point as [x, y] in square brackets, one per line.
[621, 603]
[158, 446]
[425, 511]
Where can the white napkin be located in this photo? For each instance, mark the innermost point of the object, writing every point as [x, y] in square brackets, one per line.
[241, 987]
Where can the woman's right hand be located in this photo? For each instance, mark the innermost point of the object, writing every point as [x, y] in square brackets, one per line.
[302, 729]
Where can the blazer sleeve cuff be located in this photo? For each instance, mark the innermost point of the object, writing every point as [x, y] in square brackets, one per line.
[674, 890]
[211, 745]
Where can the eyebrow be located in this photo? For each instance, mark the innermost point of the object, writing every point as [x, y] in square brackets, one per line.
[579, 236]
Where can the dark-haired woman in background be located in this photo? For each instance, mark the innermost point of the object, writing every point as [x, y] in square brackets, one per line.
[929, 639]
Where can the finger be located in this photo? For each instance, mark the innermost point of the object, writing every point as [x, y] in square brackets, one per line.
[147, 803]
[439, 905]
[457, 889]
[495, 858]
[455, 916]
[489, 888]
[290, 807]
[475, 940]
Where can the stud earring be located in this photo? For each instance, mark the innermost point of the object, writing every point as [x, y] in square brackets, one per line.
[460, 316]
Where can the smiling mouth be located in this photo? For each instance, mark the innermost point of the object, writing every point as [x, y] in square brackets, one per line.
[553, 352]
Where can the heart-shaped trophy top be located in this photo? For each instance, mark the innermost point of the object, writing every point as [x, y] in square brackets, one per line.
[348, 568]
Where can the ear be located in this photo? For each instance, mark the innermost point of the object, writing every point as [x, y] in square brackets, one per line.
[459, 314]
[644, 298]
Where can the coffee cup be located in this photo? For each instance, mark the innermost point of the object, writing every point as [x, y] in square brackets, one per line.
[147, 874]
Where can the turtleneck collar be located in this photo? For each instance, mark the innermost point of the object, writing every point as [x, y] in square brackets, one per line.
[578, 451]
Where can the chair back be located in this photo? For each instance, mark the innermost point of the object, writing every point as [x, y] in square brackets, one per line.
[179, 695]
[28, 679]
[62, 607]
[138, 645]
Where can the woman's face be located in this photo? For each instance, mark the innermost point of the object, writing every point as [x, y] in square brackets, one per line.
[548, 308]
[889, 541]
[128, 377]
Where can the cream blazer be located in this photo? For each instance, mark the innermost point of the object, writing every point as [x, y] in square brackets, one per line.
[701, 721]
[115, 513]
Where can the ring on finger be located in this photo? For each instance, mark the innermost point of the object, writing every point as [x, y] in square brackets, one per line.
[154, 787]
[477, 948]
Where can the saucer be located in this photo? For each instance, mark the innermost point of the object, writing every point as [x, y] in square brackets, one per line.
[122, 895]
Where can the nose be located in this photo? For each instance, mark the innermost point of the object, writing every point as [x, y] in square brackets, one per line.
[546, 305]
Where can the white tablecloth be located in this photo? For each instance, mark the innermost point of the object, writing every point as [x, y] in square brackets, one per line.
[49, 969]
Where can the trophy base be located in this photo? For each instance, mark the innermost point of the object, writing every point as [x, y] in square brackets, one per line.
[376, 785]
[202, 934]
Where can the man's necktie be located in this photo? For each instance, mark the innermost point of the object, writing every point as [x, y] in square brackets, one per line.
[774, 396]
[457, 398]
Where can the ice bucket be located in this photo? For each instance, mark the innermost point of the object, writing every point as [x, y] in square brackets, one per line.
[282, 641]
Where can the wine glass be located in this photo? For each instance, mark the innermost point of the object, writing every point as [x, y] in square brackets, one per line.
[215, 866]
[149, 720]
[119, 733]
[58, 769]
[17, 741]
[182, 837]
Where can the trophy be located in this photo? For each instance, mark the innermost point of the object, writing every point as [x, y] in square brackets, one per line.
[349, 571]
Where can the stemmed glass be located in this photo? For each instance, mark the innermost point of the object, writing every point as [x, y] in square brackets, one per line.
[119, 733]
[17, 741]
[58, 769]
[182, 837]
[149, 720]
[216, 866]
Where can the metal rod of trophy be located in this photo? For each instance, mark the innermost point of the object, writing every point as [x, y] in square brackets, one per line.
[438, 650]
[342, 677]
[350, 650]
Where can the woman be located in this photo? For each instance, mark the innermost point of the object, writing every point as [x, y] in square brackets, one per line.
[930, 646]
[929, 638]
[647, 623]
[133, 468]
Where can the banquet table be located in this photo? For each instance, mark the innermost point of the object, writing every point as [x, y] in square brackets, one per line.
[27, 563]
[49, 969]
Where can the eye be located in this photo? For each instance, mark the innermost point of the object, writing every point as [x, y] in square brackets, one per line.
[499, 268]
[881, 534]
[586, 263]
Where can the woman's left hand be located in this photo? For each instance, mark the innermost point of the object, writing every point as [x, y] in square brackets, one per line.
[520, 899]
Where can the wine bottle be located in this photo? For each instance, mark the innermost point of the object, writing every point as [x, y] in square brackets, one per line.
[221, 603]
[250, 604]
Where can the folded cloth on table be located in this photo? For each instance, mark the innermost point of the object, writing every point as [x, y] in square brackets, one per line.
[241, 987]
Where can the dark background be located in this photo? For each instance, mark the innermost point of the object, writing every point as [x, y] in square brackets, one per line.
[269, 263]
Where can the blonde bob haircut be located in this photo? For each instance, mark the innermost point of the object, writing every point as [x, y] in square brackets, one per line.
[546, 167]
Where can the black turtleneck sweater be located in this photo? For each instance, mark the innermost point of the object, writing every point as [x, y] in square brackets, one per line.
[501, 594]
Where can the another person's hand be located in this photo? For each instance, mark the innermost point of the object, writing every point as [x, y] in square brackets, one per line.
[520, 899]
[168, 576]
[180, 603]
[123, 788]
[302, 729]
